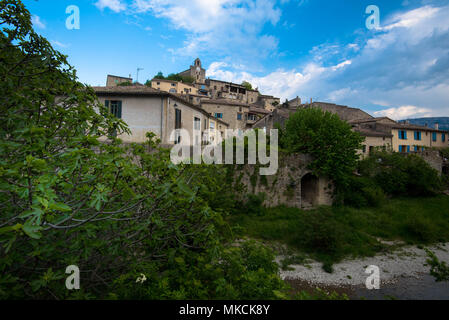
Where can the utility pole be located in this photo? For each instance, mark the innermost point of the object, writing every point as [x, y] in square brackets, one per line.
[138, 70]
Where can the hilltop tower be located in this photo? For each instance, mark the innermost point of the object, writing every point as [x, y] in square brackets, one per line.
[196, 71]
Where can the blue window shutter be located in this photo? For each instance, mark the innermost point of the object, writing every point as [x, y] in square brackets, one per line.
[416, 135]
[405, 135]
[408, 149]
[416, 148]
[400, 148]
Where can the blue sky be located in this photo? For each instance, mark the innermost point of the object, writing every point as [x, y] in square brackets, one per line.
[318, 49]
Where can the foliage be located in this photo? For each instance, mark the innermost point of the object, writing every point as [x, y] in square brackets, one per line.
[125, 84]
[172, 77]
[247, 85]
[400, 175]
[363, 192]
[244, 272]
[72, 196]
[438, 269]
[329, 140]
[330, 234]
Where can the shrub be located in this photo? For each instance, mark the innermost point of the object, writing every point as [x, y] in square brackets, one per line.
[400, 175]
[363, 192]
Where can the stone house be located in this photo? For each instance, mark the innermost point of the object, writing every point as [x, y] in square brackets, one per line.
[116, 80]
[174, 86]
[196, 71]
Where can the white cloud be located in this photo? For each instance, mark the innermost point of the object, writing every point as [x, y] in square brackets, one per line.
[114, 5]
[37, 22]
[218, 26]
[58, 44]
[404, 112]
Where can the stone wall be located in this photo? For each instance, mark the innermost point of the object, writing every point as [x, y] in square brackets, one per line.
[292, 186]
[433, 158]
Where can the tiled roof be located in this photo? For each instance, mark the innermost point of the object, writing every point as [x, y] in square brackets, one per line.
[372, 133]
[224, 102]
[254, 109]
[128, 90]
[415, 127]
[370, 120]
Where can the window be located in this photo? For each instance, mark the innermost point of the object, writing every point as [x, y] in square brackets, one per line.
[404, 148]
[434, 136]
[173, 90]
[403, 134]
[158, 83]
[197, 123]
[416, 148]
[173, 84]
[252, 117]
[212, 125]
[418, 135]
[219, 115]
[115, 107]
[178, 117]
[239, 116]
[371, 149]
[364, 148]
[443, 137]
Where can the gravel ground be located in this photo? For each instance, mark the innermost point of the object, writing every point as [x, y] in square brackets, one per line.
[406, 262]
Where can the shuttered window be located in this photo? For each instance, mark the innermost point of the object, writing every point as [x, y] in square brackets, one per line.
[418, 135]
[115, 107]
[434, 136]
[178, 118]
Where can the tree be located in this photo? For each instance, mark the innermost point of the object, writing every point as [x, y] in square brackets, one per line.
[328, 139]
[71, 196]
[159, 75]
[247, 85]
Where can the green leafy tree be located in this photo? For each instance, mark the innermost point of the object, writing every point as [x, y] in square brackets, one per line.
[73, 194]
[328, 139]
[247, 85]
[159, 75]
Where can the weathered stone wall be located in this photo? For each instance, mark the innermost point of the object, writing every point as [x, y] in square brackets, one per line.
[285, 188]
[433, 158]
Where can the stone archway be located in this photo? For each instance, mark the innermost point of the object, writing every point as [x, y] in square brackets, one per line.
[309, 191]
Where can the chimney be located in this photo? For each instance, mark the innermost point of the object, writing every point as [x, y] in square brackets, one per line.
[437, 126]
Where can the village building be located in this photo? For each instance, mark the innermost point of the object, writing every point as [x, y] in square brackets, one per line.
[145, 110]
[112, 81]
[196, 72]
[174, 86]
[379, 133]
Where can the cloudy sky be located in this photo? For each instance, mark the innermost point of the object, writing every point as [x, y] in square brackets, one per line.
[318, 49]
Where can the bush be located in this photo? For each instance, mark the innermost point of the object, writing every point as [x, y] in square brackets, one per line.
[235, 273]
[400, 175]
[363, 192]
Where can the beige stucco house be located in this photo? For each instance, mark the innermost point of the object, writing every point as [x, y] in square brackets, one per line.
[173, 86]
[146, 109]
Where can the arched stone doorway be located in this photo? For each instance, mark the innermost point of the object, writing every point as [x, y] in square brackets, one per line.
[309, 191]
[445, 170]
